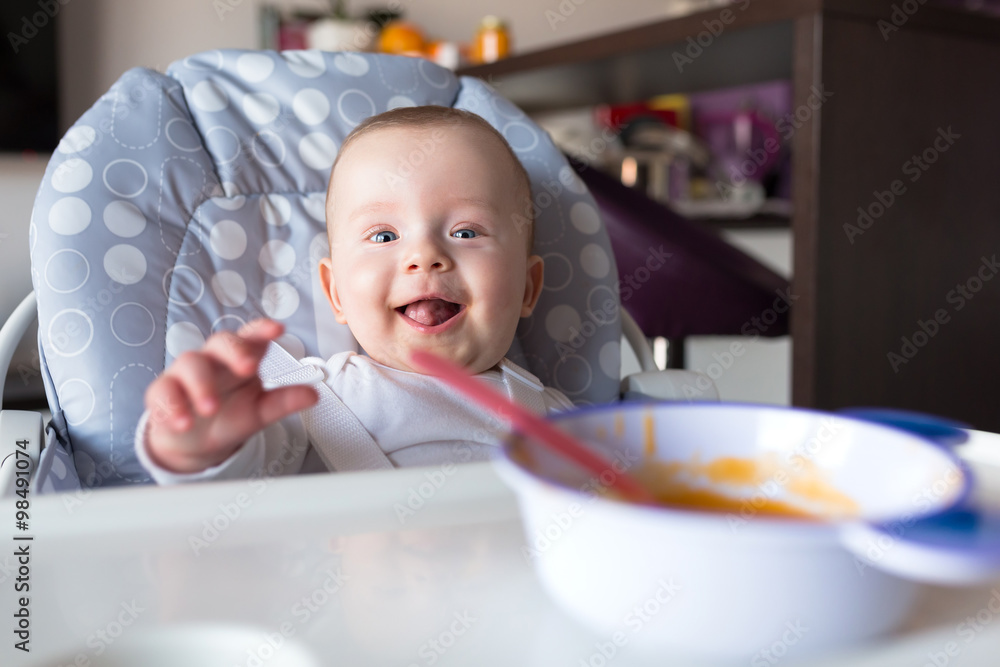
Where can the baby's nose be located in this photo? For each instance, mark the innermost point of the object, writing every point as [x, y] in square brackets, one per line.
[428, 256]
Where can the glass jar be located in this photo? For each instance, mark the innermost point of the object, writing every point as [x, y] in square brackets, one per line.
[492, 40]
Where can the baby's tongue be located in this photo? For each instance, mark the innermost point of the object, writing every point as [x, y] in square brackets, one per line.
[431, 312]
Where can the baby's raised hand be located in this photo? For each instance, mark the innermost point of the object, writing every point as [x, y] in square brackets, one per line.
[206, 404]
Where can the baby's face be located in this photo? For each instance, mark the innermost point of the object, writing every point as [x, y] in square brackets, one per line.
[425, 249]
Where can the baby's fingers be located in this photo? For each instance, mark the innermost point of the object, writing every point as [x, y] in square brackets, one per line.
[261, 329]
[242, 351]
[168, 405]
[283, 401]
[200, 376]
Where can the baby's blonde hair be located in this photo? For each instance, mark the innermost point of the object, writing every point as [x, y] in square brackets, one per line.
[438, 116]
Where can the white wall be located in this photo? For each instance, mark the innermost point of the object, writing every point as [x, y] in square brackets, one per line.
[100, 39]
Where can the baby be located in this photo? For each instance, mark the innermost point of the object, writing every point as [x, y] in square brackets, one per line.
[434, 257]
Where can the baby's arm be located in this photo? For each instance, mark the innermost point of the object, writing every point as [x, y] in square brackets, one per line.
[206, 404]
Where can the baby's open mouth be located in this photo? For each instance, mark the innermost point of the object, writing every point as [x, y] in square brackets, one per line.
[431, 312]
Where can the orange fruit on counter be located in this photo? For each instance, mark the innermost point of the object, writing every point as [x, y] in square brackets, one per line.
[401, 37]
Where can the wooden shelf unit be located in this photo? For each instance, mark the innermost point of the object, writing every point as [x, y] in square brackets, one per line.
[894, 93]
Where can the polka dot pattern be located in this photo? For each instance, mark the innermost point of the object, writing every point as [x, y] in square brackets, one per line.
[209, 96]
[254, 67]
[280, 300]
[595, 260]
[78, 138]
[205, 209]
[69, 216]
[585, 217]
[275, 209]
[125, 264]
[132, 324]
[228, 240]
[318, 151]
[277, 258]
[311, 106]
[183, 336]
[562, 323]
[261, 108]
[230, 289]
[351, 64]
[124, 219]
[72, 175]
[66, 271]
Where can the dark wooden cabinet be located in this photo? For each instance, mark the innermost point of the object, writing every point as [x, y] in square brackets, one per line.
[897, 306]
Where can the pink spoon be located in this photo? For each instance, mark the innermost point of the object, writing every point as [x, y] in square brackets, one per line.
[557, 440]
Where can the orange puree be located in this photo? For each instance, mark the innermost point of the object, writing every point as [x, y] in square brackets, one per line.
[649, 433]
[752, 484]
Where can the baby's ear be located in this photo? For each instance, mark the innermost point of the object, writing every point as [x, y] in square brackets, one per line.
[533, 284]
[330, 288]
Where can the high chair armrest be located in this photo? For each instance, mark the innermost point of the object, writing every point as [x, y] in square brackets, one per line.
[670, 385]
[21, 437]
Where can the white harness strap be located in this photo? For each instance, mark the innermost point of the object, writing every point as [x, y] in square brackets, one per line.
[335, 432]
[338, 436]
[525, 390]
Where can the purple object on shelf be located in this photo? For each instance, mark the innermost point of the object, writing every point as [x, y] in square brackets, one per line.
[736, 122]
[679, 278]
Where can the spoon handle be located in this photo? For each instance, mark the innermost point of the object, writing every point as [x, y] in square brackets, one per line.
[528, 423]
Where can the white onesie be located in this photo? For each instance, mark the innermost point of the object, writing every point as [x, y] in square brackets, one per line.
[415, 419]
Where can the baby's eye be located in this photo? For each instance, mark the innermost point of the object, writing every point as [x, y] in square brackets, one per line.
[466, 234]
[383, 237]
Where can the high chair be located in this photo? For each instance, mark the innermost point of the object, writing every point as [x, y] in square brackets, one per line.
[192, 201]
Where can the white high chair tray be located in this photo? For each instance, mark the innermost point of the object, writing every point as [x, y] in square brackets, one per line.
[412, 567]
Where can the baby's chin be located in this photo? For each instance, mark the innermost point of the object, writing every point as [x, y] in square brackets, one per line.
[472, 364]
